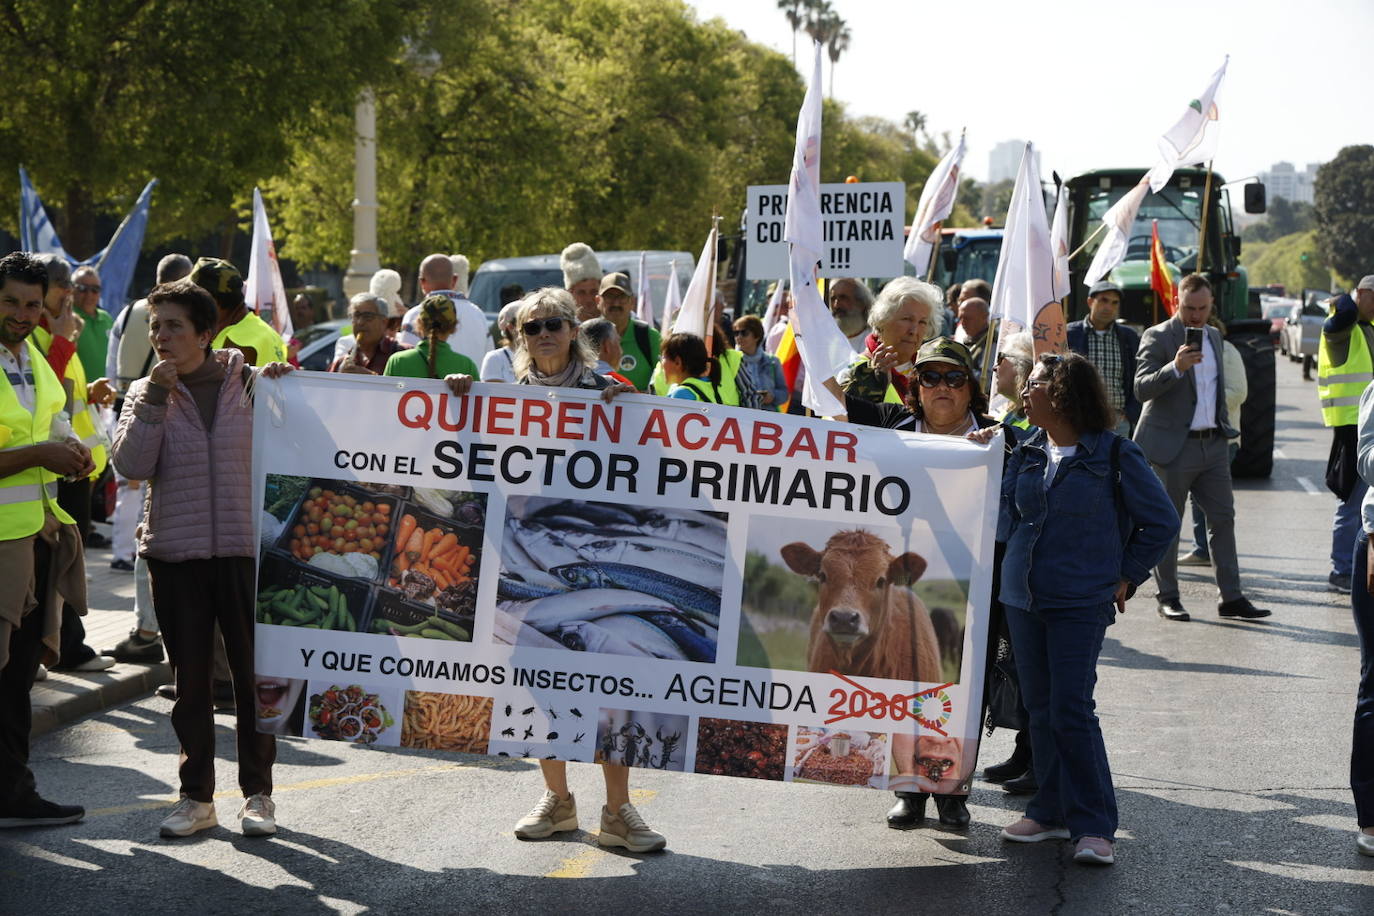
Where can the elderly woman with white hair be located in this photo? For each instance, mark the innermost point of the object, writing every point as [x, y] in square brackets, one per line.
[499, 364]
[905, 315]
[1015, 360]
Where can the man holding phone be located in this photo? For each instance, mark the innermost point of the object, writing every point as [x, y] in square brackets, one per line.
[1183, 430]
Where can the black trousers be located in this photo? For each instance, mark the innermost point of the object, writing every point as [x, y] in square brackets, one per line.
[16, 678]
[190, 597]
[75, 499]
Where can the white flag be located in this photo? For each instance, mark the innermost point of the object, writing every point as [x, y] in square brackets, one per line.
[1025, 273]
[1193, 138]
[644, 308]
[672, 300]
[701, 293]
[770, 314]
[822, 345]
[937, 202]
[1059, 243]
[1118, 221]
[263, 290]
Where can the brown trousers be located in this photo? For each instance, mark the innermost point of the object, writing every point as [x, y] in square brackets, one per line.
[190, 597]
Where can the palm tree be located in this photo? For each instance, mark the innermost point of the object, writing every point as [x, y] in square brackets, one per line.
[795, 11]
[837, 44]
[820, 20]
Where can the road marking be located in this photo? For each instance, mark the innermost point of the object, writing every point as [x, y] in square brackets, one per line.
[1309, 486]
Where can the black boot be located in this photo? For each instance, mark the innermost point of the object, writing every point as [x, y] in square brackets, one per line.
[909, 812]
[1018, 763]
[1025, 784]
[953, 810]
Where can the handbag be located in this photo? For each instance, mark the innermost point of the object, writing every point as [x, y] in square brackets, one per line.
[1005, 709]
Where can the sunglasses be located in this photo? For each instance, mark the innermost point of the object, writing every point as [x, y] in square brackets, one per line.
[86, 288]
[364, 316]
[552, 325]
[954, 378]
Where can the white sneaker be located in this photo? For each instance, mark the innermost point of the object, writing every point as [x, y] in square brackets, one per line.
[627, 828]
[188, 817]
[257, 817]
[95, 663]
[41, 674]
[551, 815]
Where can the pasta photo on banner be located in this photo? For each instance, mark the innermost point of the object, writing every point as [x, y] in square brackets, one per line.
[647, 582]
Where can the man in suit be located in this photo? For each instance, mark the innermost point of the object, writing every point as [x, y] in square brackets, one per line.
[1111, 347]
[1183, 431]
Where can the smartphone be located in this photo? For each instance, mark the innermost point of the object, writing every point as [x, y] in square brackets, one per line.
[1192, 338]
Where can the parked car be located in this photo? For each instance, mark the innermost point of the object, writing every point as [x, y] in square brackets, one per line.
[1275, 311]
[536, 271]
[317, 344]
[1302, 329]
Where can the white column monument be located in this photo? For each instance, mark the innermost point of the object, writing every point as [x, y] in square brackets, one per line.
[363, 262]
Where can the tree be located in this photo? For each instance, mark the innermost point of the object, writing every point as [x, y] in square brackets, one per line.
[836, 44]
[1290, 260]
[1285, 217]
[204, 94]
[795, 11]
[1344, 193]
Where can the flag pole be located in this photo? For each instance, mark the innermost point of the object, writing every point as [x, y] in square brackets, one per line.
[1086, 242]
[1202, 231]
[994, 332]
[707, 331]
[935, 252]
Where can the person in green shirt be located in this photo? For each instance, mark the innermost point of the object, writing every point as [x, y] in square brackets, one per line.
[238, 328]
[638, 342]
[433, 357]
[92, 346]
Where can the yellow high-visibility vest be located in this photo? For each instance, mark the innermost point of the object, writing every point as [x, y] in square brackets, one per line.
[1339, 387]
[26, 494]
[252, 331]
[83, 418]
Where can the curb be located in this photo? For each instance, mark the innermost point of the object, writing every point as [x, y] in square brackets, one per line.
[66, 696]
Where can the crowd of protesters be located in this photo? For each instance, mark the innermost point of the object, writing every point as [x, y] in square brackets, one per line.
[1104, 444]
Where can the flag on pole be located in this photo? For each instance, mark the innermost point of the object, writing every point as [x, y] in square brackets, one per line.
[1193, 138]
[115, 262]
[937, 202]
[790, 359]
[701, 293]
[1023, 291]
[823, 347]
[770, 314]
[1161, 281]
[263, 291]
[672, 300]
[1059, 244]
[644, 307]
[1118, 221]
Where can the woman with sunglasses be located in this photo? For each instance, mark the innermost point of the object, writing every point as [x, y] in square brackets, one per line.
[1084, 520]
[1015, 359]
[432, 357]
[943, 400]
[554, 355]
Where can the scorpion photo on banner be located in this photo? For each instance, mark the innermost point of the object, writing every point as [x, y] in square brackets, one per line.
[641, 739]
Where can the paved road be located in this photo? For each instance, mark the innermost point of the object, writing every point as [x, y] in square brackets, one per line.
[1229, 742]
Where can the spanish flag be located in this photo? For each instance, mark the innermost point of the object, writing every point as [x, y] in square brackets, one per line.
[790, 357]
[1161, 281]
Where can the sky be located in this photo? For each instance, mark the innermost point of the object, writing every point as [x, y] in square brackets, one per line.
[1093, 83]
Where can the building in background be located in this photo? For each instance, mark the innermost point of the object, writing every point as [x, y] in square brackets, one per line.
[1005, 160]
[1283, 180]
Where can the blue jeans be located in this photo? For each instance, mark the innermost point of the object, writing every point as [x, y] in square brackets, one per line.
[1362, 745]
[1345, 528]
[1056, 659]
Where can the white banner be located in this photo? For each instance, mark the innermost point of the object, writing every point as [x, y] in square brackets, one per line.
[534, 573]
[861, 230]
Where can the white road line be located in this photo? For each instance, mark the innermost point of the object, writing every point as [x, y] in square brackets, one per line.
[1309, 486]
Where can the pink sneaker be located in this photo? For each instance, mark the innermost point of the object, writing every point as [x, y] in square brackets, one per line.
[1093, 850]
[1029, 831]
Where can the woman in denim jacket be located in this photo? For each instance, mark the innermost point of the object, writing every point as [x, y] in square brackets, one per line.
[1078, 543]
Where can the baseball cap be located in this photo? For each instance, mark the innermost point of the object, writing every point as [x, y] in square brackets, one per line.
[944, 350]
[618, 280]
[1366, 282]
[220, 279]
[1104, 286]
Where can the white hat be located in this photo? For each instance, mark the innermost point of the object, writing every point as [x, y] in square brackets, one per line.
[1366, 282]
[579, 263]
[386, 283]
[460, 273]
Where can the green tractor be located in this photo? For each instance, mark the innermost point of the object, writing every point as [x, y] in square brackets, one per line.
[1178, 210]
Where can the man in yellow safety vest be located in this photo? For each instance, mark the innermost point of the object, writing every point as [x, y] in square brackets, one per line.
[40, 550]
[1345, 366]
[239, 328]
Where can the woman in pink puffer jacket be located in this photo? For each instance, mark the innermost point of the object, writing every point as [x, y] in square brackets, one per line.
[188, 430]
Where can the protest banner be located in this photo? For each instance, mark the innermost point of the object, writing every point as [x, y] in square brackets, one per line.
[861, 231]
[536, 573]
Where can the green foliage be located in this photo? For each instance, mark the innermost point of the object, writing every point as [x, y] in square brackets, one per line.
[1285, 217]
[1280, 261]
[1344, 193]
[204, 94]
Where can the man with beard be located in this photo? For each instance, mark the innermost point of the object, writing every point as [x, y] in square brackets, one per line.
[638, 341]
[849, 300]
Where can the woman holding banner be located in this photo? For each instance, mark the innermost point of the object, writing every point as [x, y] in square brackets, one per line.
[554, 355]
[187, 429]
[1084, 520]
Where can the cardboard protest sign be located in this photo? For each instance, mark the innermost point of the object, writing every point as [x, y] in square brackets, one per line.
[861, 230]
[536, 573]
